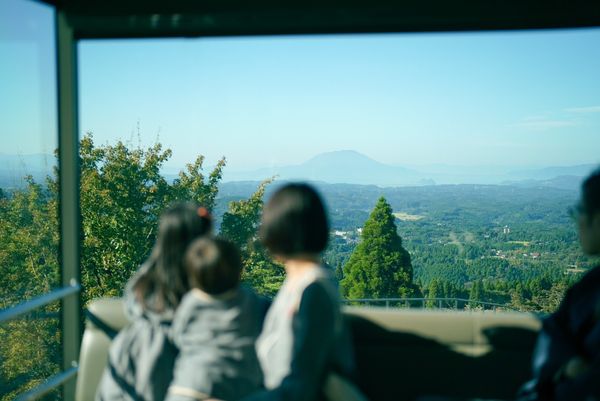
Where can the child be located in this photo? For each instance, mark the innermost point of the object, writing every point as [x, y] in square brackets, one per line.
[304, 339]
[215, 328]
[141, 356]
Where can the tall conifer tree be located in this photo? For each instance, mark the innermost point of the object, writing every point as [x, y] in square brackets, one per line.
[379, 267]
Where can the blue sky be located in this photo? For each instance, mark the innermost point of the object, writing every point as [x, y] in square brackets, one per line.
[27, 78]
[495, 98]
[503, 98]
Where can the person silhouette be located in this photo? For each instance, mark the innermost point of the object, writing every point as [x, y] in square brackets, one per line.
[566, 362]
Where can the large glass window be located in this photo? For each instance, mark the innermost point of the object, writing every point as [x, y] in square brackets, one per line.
[29, 352]
[472, 145]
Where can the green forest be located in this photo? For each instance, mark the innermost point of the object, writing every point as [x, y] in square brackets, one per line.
[507, 245]
[122, 196]
[499, 244]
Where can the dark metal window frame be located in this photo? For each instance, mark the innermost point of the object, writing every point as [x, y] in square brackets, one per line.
[103, 19]
[69, 221]
[69, 208]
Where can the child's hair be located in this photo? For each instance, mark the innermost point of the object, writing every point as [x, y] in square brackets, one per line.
[164, 281]
[213, 265]
[294, 222]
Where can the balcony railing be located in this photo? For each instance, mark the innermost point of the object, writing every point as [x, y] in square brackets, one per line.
[439, 302]
[24, 309]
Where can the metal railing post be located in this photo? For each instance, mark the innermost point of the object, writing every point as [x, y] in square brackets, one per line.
[66, 59]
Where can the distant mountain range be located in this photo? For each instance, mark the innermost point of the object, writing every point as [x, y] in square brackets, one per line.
[345, 166]
[568, 182]
[548, 173]
[13, 168]
[349, 167]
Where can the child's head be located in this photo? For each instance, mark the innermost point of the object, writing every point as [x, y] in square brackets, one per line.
[165, 279]
[213, 265]
[294, 222]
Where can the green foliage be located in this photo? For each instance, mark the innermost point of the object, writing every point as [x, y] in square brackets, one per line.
[434, 291]
[239, 225]
[241, 221]
[379, 267]
[261, 272]
[29, 354]
[28, 267]
[192, 185]
[459, 237]
[476, 293]
[457, 246]
[122, 196]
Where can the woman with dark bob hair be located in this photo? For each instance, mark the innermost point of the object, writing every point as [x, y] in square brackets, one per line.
[304, 345]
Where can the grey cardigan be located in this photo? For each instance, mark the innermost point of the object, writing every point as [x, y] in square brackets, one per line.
[141, 356]
[217, 350]
[304, 338]
[215, 336]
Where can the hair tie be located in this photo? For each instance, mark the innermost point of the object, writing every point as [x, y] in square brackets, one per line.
[203, 212]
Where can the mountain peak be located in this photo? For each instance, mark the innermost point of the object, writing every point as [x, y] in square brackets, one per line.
[343, 157]
[349, 152]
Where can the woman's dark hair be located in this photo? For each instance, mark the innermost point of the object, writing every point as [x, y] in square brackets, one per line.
[164, 281]
[294, 222]
[590, 193]
[213, 265]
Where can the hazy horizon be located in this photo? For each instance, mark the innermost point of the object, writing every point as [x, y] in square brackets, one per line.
[345, 167]
[525, 99]
[517, 98]
[170, 165]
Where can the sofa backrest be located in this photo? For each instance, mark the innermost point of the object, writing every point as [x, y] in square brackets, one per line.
[93, 354]
[401, 353]
[406, 353]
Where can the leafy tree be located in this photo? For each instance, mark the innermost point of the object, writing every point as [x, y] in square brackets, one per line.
[239, 225]
[193, 185]
[28, 267]
[476, 294]
[122, 196]
[261, 272]
[549, 300]
[379, 267]
[241, 220]
[339, 273]
[433, 292]
[122, 193]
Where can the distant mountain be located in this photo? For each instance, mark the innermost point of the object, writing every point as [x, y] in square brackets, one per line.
[568, 182]
[457, 174]
[548, 173]
[37, 161]
[13, 168]
[344, 166]
[417, 200]
[351, 167]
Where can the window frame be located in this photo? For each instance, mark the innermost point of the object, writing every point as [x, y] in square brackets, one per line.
[100, 19]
